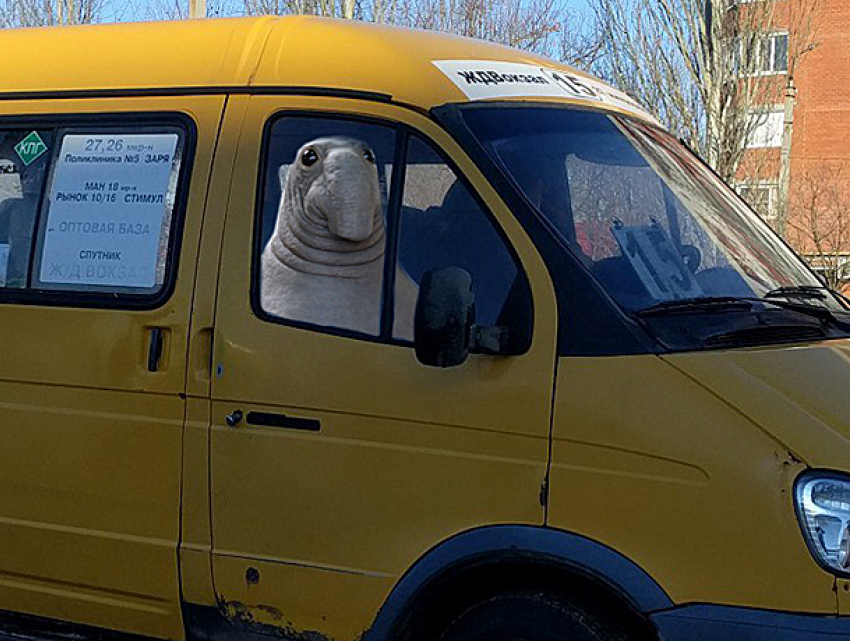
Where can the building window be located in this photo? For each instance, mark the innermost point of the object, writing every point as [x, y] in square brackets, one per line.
[765, 128]
[761, 197]
[769, 55]
[773, 53]
[832, 270]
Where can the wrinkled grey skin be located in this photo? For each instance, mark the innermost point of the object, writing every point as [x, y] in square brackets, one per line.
[324, 262]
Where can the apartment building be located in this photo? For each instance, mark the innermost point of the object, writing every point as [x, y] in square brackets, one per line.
[818, 213]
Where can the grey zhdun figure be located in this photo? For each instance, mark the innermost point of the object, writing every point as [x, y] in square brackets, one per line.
[324, 262]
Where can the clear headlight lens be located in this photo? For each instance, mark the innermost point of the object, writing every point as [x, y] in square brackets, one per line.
[823, 505]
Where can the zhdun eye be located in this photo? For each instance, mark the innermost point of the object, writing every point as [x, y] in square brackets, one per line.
[309, 157]
[368, 155]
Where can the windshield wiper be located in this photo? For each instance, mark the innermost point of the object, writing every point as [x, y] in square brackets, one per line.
[809, 291]
[699, 303]
[738, 303]
[799, 291]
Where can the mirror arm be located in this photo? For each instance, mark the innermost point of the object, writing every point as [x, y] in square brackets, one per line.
[490, 340]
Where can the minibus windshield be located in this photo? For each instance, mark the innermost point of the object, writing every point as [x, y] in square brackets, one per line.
[653, 225]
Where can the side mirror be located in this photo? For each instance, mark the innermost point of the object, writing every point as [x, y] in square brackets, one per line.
[445, 315]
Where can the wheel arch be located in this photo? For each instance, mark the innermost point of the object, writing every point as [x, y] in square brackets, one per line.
[533, 554]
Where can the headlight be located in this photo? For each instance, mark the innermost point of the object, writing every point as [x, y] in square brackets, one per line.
[823, 507]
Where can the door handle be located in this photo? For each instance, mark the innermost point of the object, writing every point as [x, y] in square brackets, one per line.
[155, 349]
[269, 419]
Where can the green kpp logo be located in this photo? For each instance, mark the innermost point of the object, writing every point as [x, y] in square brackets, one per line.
[30, 148]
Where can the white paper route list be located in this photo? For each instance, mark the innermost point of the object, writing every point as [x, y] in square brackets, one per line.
[108, 199]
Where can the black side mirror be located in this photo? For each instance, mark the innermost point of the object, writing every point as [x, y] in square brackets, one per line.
[445, 315]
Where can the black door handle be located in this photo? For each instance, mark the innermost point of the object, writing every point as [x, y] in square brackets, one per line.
[270, 419]
[155, 349]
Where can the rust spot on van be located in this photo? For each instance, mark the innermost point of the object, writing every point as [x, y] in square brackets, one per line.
[271, 611]
[788, 459]
[237, 612]
[794, 459]
[790, 465]
[268, 621]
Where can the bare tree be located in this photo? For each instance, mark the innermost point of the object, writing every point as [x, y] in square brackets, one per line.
[528, 24]
[165, 10]
[819, 220]
[180, 9]
[578, 42]
[328, 8]
[701, 65]
[542, 26]
[42, 13]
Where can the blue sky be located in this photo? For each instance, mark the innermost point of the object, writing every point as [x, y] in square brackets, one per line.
[128, 10]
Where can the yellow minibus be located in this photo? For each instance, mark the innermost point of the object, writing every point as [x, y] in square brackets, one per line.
[390, 335]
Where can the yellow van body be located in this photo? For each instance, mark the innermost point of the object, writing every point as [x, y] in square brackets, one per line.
[136, 496]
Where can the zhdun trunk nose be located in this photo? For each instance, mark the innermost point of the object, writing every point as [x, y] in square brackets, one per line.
[355, 197]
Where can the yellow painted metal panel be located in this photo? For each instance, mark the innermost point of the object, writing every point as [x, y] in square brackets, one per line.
[378, 58]
[163, 55]
[206, 278]
[842, 589]
[407, 455]
[798, 394]
[91, 462]
[196, 535]
[196, 575]
[196, 542]
[652, 464]
[365, 494]
[336, 602]
[251, 52]
[89, 505]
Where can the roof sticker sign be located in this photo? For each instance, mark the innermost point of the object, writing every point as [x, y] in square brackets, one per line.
[486, 79]
[108, 201]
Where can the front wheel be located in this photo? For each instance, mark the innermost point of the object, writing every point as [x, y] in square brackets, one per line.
[531, 616]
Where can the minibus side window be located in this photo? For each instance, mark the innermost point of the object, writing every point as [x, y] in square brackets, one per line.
[443, 225]
[87, 212]
[105, 224]
[24, 160]
[322, 227]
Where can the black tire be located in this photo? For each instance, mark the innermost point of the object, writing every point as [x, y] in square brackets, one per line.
[530, 616]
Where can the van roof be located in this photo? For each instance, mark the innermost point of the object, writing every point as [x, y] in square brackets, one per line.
[265, 53]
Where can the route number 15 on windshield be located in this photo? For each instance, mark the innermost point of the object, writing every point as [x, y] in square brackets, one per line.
[656, 261]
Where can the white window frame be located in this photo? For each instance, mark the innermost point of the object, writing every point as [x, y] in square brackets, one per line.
[772, 188]
[763, 136]
[771, 37]
[819, 268]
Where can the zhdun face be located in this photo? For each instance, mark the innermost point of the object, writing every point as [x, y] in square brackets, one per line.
[343, 186]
